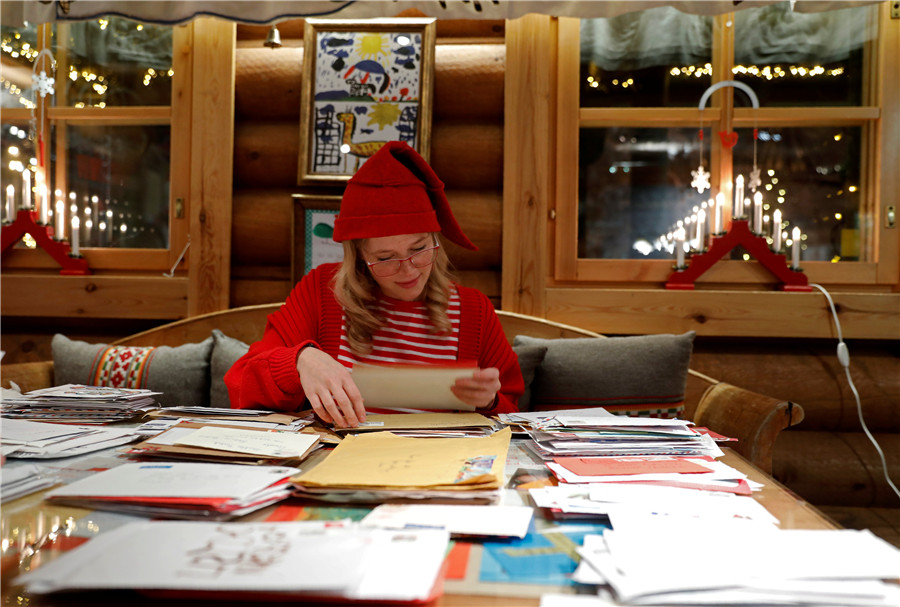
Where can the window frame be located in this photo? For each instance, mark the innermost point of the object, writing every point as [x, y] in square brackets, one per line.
[881, 266]
[177, 115]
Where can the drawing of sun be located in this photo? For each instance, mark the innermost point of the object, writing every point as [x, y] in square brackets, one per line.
[372, 45]
[384, 114]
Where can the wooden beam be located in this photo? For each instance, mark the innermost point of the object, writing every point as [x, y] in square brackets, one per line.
[212, 153]
[528, 153]
[98, 296]
[726, 313]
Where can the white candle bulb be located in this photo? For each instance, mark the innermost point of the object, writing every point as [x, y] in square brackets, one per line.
[679, 248]
[60, 219]
[757, 213]
[795, 248]
[720, 208]
[739, 196]
[10, 203]
[76, 226]
[776, 230]
[701, 231]
[26, 189]
[43, 203]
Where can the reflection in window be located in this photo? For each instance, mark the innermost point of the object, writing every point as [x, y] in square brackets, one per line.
[634, 185]
[118, 180]
[19, 49]
[114, 62]
[17, 153]
[655, 57]
[793, 58]
[812, 174]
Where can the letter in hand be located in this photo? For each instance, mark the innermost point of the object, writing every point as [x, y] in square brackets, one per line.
[330, 389]
[480, 389]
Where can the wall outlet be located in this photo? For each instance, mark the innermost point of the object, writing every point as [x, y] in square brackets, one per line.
[895, 9]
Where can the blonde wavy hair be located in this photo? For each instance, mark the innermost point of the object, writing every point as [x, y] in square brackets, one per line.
[355, 290]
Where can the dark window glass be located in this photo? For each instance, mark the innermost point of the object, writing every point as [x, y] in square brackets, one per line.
[634, 185]
[793, 58]
[649, 58]
[113, 62]
[119, 176]
[812, 174]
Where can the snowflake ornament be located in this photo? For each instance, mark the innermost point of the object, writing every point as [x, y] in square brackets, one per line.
[701, 179]
[755, 180]
[43, 83]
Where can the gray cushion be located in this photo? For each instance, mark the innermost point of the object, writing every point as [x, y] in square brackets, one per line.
[225, 352]
[642, 375]
[530, 357]
[180, 373]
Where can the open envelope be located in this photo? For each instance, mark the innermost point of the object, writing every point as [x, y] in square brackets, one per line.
[384, 460]
[411, 386]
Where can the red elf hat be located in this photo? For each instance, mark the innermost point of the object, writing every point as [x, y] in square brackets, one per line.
[396, 192]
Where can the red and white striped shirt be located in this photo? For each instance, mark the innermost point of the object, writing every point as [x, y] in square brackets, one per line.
[406, 336]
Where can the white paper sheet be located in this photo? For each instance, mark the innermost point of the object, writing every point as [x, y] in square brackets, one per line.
[413, 387]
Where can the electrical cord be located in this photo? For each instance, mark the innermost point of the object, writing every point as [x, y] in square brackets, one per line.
[843, 356]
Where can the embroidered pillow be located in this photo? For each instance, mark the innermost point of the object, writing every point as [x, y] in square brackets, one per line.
[643, 375]
[225, 352]
[180, 373]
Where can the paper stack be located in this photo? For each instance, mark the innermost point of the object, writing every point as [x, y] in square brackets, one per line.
[381, 466]
[29, 439]
[24, 480]
[227, 444]
[79, 404]
[297, 561]
[183, 490]
[595, 432]
[460, 424]
[768, 566]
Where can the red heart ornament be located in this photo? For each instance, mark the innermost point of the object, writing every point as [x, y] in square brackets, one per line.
[728, 139]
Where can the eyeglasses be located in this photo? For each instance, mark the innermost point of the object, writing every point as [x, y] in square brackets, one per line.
[389, 267]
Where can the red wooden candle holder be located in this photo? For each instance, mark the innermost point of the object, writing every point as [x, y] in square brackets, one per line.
[739, 234]
[26, 223]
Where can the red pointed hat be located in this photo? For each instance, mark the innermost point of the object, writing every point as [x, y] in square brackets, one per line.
[396, 192]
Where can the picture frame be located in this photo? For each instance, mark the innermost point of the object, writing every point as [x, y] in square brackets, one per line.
[311, 229]
[365, 82]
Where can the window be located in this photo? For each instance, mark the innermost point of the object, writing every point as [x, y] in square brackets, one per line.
[105, 141]
[633, 111]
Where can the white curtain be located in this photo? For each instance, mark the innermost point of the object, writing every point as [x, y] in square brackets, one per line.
[16, 12]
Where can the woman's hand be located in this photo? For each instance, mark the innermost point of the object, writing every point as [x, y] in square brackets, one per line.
[330, 389]
[480, 389]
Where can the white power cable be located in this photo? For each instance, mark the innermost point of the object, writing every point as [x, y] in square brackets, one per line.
[843, 356]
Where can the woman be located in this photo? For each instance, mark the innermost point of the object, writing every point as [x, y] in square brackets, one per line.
[391, 300]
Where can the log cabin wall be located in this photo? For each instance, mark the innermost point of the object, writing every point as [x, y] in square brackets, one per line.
[466, 152]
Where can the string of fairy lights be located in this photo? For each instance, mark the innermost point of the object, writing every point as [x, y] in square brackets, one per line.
[768, 72]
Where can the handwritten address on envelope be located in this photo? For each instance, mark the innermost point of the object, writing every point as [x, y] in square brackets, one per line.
[271, 444]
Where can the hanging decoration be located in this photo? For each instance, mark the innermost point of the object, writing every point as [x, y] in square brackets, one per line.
[33, 219]
[748, 225]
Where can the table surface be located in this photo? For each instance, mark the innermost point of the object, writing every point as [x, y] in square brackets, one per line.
[29, 521]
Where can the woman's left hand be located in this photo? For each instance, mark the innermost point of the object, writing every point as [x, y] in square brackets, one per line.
[480, 389]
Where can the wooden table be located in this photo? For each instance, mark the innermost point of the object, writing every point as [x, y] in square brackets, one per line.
[27, 520]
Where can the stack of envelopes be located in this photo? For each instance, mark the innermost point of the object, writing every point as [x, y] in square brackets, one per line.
[79, 404]
[185, 490]
[595, 432]
[458, 424]
[228, 444]
[382, 466]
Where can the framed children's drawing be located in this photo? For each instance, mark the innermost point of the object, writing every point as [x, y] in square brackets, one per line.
[311, 233]
[365, 83]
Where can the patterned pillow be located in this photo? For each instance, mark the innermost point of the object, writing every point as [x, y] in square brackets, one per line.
[226, 350]
[180, 373]
[643, 375]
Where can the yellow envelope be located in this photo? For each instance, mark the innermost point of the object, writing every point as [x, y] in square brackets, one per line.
[382, 459]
